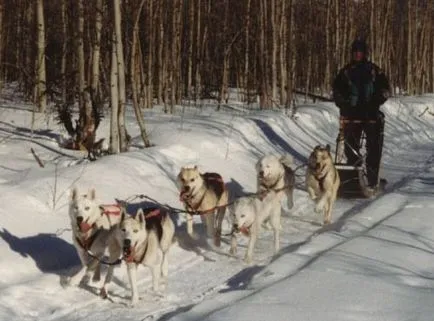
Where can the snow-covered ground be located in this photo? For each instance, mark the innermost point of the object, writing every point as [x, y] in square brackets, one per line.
[375, 262]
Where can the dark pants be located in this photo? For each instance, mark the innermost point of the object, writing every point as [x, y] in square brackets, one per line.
[374, 130]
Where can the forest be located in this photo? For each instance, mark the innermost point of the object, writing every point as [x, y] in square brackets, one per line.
[90, 54]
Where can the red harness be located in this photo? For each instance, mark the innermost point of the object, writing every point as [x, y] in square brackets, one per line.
[110, 209]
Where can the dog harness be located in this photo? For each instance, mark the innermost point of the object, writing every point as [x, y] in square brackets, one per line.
[213, 180]
[130, 257]
[86, 244]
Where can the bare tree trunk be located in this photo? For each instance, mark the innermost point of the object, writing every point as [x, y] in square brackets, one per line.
[41, 77]
[150, 65]
[264, 94]
[190, 57]
[198, 51]
[123, 143]
[309, 57]
[64, 18]
[346, 28]
[337, 34]
[225, 60]
[96, 49]
[409, 48]
[327, 76]
[247, 52]
[114, 99]
[2, 30]
[80, 49]
[134, 77]
[176, 85]
[430, 58]
[291, 59]
[372, 31]
[282, 51]
[160, 57]
[274, 36]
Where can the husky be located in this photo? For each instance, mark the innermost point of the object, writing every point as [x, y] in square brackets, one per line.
[322, 181]
[146, 239]
[206, 194]
[247, 215]
[274, 173]
[93, 227]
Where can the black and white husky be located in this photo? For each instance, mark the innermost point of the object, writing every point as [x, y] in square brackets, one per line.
[146, 238]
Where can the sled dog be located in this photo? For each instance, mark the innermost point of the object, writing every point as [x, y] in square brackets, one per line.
[146, 238]
[205, 193]
[93, 228]
[247, 215]
[322, 181]
[274, 173]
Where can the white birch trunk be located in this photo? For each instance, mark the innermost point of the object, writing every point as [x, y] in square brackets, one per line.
[123, 144]
[114, 100]
[96, 48]
[40, 66]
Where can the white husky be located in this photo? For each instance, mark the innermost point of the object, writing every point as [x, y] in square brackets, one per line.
[274, 173]
[93, 233]
[146, 239]
[248, 214]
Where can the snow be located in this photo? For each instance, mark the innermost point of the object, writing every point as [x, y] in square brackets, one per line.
[375, 262]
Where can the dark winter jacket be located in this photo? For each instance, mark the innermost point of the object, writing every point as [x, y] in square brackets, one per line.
[359, 89]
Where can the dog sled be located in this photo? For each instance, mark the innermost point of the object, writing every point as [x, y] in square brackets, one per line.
[354, 177]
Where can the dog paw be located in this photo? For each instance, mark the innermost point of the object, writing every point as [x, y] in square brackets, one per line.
[290, 205]
[326, 222]
[103, 293]
[267, 225]
[233, 251]
[65, 281]
[217, 241]
[96, 278]
[194, 236]
[318, 208]
[72, 281]
[248, 259]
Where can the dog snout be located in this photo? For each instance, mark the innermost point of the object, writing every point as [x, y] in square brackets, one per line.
[235, 227]
[261, 173]
[79, 220]
[186, 188]
[127, 243]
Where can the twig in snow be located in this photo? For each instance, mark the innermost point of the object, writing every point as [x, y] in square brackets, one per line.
[37, 158]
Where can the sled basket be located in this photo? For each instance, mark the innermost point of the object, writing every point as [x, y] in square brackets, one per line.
[353, 181]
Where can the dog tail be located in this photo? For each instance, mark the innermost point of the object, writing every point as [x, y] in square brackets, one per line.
[287, 160]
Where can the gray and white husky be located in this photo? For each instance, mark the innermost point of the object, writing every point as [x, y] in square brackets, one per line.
[93, 232]
[146, 238]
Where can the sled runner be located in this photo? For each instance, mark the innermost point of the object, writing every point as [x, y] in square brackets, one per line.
[354, 180]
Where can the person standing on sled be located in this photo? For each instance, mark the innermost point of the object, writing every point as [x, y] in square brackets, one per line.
[359, 89]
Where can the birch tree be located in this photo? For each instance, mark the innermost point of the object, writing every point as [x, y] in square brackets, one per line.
[41, 96]
[123, 143]
[134, 74]
[114, 147]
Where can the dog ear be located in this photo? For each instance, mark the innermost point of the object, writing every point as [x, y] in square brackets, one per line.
[140, 216]
[328, 148]
[287, 160]
[195, 167]
[74, 194]
[123, 212]
[92, 194]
